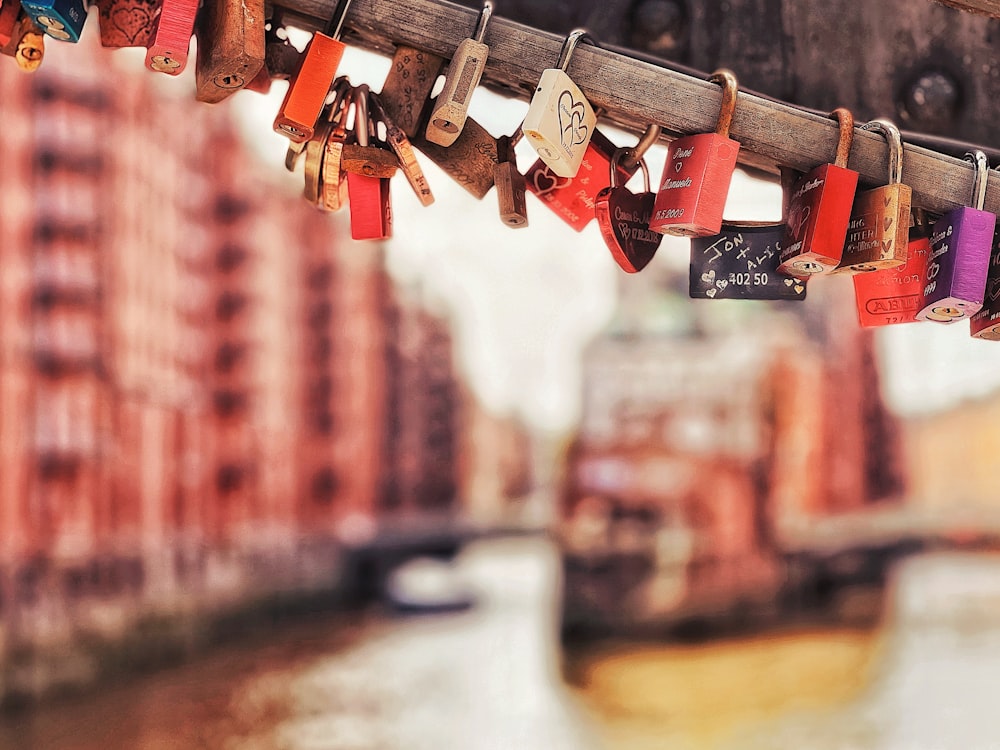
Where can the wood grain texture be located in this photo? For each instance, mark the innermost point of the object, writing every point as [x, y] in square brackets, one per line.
[984, 7]
[634, 93]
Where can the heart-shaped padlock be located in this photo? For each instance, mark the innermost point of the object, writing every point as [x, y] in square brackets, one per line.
[624, 219]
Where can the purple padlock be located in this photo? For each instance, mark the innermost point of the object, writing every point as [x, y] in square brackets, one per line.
[955, 279]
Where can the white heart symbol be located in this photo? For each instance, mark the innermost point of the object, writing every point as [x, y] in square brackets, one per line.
[708, 277]
[789, 282]
[722, 283]
[678, 166]
[710, 292]
[799, 289]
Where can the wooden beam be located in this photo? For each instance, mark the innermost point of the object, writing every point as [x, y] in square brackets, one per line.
[634, 93]
[982, 7]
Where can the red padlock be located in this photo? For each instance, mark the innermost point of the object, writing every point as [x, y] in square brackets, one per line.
[371, 207]
[895, 295]
[167, 50]
[573, 198]
[820, 210]
[697, 174]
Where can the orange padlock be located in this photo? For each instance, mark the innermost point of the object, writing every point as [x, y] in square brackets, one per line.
[697, 174]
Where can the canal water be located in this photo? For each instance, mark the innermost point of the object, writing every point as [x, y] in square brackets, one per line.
[490, 677]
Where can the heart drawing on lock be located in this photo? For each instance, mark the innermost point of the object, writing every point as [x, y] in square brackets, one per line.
[708, 277]
[710, 292]
[797, 219]
[886, 223]
[132, 22]
[571, 115]
[545, 181]
[623, 217]
[993, 290]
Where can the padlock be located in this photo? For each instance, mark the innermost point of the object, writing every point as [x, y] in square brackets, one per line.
[512, 190]
[451, 107]
[10, 12]
[698, 172]
[878, 233]
[230, 47]
[371, 209]
[560, 121]
[820, 210]
[401, 147]
[126, 23]
[315, 149]
[333, 184]
[60, 19]
[961, 241]
[985, 324]
[741, 261]
[307, 89]
[895, 295]
[407, 89]
[623, 217]
[367, 157]
[167, 51]
[25, 43]
[573, 199]
[469, 161]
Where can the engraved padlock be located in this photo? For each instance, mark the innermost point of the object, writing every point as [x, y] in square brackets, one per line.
[573, 199]
[230, 47]
[370, 204]
[60, 19]
[741, 261]
[451, 108]
[407, 89]
[961, 240]
[985, 324]
[560, 121]
[167, 51]
[469, 161]
[623, 217]
[820, 210]
[512, 189]
[878, 233]
[895, 295]
[126, 23]
[400, 145]
[697, 174]
[307, 89]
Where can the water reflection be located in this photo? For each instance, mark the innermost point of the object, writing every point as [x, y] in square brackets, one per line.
[489, 678]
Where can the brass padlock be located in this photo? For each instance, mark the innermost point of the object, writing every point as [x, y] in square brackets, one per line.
[469, 160]
[25, 42]
[407, 89]
[560, 120]
[879, 230]
[400, 145]
[363, 156]
[230, 47]
[512, 189]
[451, 108]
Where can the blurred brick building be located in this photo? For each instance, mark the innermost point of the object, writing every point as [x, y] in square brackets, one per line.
[207, 394]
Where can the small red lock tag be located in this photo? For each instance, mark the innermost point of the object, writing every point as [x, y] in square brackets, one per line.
[573, 198]
[894, 295]
[697, 174]
[820, 210]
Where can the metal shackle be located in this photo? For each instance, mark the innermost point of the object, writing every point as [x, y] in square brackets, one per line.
[361, 117]
[570, 44]
[845, 120]
[617, 157]
[484, 19]
[891, 134]
[730, 88]
[633, 156]
[982, 165]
